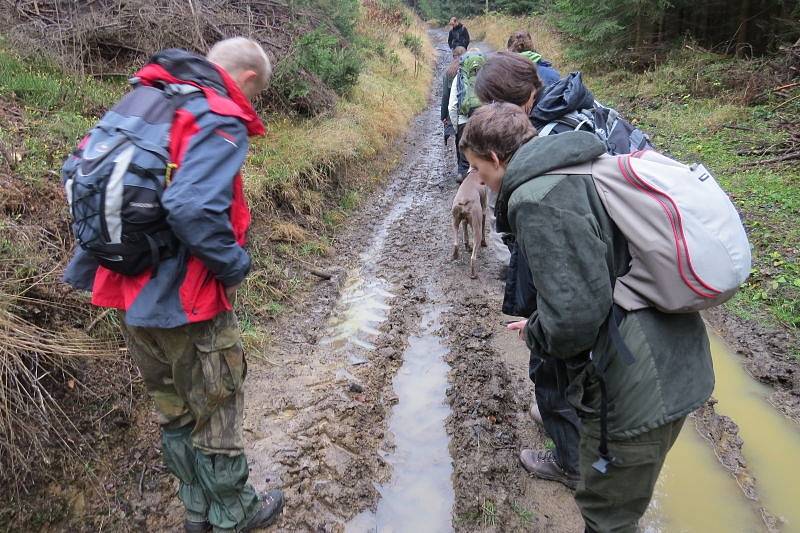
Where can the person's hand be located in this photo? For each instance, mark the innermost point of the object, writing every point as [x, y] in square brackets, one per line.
[445, 121]
[519, 327]
[230, 292]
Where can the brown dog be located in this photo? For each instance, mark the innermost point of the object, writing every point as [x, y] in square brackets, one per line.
[469, 208]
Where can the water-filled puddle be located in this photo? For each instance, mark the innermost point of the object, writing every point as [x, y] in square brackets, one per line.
[419, 497]
[362, 306]
[695, 493]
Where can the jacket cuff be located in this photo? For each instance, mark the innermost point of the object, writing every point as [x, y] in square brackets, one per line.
[236, 273]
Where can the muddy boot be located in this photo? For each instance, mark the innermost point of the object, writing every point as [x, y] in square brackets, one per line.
[271, 509]
[196, 527]
[542, 464]
[536, 415]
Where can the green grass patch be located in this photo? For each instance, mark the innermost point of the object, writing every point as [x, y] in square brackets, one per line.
[525, 515]
[40, 85]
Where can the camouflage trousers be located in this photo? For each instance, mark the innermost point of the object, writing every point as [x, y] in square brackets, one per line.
[195, 375]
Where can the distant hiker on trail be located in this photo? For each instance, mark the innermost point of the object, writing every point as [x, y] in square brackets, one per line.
[458, 36]
[521, 42]
[161, 230]
[464, 101]
[449, 75]
[631, 408]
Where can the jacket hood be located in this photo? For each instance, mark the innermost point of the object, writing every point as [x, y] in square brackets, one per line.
[539, 156]
[564, 96]
[221, 91]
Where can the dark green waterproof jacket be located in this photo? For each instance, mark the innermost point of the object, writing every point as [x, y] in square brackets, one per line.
[575, 252]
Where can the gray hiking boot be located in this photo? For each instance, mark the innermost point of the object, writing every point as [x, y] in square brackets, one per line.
[271, 509]
[536, 415]
[542, 464]
[195, 527]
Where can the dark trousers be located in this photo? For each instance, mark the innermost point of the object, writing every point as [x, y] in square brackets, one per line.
[614, 502]
[461, 160]
[559, 417]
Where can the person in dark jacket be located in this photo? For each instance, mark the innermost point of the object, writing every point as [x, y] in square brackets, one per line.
[178, 319]
[575, 253]
[514, 78]
[521, 42]
[458, 36]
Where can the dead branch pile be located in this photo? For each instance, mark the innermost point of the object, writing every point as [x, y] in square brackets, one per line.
[114, 37]
[36, 366]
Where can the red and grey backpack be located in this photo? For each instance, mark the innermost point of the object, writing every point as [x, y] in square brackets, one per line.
[115, 179]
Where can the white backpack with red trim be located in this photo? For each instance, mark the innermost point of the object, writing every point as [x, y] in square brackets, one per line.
[689, 250]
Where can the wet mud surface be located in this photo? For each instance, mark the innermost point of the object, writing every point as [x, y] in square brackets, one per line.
[319, 400]
[319, 403]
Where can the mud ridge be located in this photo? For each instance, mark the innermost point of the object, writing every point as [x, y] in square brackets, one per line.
[766, 353]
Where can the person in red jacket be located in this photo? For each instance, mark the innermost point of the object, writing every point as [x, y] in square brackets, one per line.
[178, 318]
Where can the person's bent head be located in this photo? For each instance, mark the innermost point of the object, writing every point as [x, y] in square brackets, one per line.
[453, 22]
[459, 51]
[520, 41]
[508, 77]
[245, 61]
[492, 136]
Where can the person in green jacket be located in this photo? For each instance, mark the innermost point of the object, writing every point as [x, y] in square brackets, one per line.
[575, 252]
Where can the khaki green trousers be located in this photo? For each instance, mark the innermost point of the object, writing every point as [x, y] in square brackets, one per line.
[195, 374]
[615, 501]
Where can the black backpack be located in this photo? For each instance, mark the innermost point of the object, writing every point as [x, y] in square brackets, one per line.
[619, 135]
[115, 180]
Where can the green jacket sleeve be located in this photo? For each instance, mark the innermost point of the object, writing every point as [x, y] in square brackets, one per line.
[568, 260]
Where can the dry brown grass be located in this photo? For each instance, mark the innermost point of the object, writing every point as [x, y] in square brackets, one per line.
[288, 232]
[495, 29]
[37, 369]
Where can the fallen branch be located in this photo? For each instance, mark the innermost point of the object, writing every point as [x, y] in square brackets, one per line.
[793, 98]
[787, 157]
[97, 319]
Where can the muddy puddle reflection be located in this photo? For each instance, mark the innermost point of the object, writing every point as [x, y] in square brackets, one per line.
[696, 494]
[419, 497]
[362, 307]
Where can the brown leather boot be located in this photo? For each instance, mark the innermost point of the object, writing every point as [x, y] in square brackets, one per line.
[542, 464]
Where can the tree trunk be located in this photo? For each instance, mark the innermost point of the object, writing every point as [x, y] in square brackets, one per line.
[741, 31]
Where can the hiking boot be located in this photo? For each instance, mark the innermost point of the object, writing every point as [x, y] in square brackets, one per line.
[196, 527]
[542, 464]
[536, 415]
[271, 509]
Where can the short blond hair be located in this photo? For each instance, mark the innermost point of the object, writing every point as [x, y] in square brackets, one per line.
[239, 54]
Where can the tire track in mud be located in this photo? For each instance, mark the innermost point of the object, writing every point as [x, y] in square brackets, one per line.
[317, 408]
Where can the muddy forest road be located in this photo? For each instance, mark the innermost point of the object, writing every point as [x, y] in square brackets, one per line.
[319, 408]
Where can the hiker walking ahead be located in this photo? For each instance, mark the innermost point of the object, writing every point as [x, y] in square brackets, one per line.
[449, 75]
[521, 42]
[458, 36]
[576, 254]
[173, 271]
